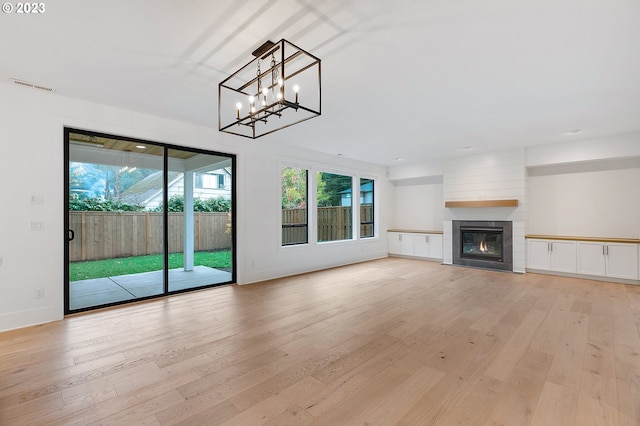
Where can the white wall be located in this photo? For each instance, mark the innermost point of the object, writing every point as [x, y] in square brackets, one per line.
[586, 188]
[612, 147]
[32, 164]
[586, 199]
[492, 176]
[418, 206]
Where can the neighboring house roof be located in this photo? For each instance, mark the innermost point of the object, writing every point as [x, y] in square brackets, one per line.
[148, 192]
[148, 188]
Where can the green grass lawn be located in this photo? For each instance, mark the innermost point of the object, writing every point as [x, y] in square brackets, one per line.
[133, 265]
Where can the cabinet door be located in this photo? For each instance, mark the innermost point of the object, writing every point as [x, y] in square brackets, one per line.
[395, 243]
[435, 246]
[406, 244]
[622, 260]
[538, 254]
[563, 256]
[421, 245]
[400, 243]
[591, 258]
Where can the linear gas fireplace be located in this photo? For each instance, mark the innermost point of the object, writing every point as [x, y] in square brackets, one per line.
[483, 244]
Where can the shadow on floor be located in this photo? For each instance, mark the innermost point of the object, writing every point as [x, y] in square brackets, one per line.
[102, 291]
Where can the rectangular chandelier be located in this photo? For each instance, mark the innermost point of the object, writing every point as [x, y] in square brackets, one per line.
[277, 89]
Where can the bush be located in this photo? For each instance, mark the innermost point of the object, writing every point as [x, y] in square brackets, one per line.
[176, 204]
[218, 204]
[98, 205]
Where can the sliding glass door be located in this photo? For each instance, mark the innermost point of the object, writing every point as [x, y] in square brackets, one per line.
[199, 219]
[144, 220]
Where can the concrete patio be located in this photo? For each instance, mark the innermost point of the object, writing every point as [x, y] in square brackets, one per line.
[102, 291]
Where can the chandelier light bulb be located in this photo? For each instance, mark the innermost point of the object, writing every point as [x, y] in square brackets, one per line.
[239, 107]
[265, 91]
[280, 82]
[252, 100]
[296, 89]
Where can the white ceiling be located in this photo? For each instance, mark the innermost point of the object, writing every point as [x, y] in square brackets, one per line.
[412, 79]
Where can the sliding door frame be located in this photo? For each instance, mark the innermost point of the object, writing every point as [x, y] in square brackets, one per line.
[165, 179]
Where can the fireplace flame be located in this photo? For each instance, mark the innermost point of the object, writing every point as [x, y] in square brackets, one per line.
[483, 247]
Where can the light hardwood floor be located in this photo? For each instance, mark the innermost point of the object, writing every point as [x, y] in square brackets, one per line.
[393, 341]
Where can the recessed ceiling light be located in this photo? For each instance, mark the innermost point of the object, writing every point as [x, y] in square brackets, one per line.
[140, 146]
[467, 148]
[574, 132]
[398, 159]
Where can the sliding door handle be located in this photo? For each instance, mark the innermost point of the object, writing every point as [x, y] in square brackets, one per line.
[71, 235]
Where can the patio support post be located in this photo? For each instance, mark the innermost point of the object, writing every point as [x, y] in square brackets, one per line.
[188, 221]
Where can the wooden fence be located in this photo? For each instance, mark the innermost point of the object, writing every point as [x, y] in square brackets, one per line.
[106, 235]
[334, 223]
[294, 226]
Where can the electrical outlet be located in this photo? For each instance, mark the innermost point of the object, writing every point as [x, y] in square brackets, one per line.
[39, 293]
[37, 199]
[37, 225]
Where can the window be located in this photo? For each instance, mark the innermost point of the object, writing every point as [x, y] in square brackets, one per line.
[334, 207]
[366, 208]
[209, 181]
[295, 228]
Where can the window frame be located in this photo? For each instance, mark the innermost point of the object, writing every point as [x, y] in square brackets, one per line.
[372, 222]
[352, 217]
[284, 226]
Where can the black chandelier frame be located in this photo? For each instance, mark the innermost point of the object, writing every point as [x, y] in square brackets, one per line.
[288, 62]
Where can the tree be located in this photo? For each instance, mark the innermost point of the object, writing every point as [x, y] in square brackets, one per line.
[294, 188]
[88, 180]
[330, 188]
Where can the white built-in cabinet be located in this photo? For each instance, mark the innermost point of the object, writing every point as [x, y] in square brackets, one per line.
[585, 256]
[415, 244]
[400, 243]
[427, 245]
[616, 260]
[552, 255]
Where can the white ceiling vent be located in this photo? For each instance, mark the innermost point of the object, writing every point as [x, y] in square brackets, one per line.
[32, 85]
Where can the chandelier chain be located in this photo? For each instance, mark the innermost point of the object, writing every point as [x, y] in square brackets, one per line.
[258, 74]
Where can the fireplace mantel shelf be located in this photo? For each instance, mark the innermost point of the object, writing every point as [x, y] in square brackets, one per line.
[481, 203]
